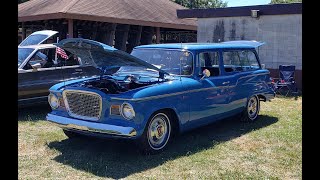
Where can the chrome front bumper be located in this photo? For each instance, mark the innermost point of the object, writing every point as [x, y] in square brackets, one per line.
[78, 125]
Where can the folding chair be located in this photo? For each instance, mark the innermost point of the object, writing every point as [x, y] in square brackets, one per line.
[286, 84]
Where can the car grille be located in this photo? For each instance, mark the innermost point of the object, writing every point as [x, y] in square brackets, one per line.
[83, 104]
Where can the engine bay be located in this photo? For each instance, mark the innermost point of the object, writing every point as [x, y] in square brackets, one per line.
[110, 85]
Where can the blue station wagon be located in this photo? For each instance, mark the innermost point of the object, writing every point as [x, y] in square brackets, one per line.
[159, 90]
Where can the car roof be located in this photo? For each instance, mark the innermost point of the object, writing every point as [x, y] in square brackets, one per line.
[41, 46]
[199, 46]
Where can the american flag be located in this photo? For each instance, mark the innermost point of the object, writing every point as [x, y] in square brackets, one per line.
[62, 53]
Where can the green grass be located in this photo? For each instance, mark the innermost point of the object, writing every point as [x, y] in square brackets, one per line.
[270, 148]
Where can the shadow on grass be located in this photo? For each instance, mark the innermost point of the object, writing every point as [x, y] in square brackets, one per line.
[119, 158]
[33, 113]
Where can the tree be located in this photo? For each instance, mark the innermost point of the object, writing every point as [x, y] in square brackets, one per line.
[284, 1]
[194, 4]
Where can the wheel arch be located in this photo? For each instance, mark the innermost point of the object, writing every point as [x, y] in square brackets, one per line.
[261, 97]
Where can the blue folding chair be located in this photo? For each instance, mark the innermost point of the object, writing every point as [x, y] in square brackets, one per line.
[286, 84]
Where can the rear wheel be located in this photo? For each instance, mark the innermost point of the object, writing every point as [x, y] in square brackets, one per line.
[251, 112]
[156, 134]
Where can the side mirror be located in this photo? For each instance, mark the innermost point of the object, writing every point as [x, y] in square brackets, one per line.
[205, 73]
[36, 66]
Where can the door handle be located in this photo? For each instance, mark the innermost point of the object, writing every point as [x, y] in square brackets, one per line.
[227, 82]
[78, 70]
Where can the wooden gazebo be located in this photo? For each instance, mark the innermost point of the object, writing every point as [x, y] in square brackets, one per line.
[123, 24]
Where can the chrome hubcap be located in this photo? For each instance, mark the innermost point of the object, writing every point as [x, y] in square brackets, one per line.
[158, 131]
[252, 107]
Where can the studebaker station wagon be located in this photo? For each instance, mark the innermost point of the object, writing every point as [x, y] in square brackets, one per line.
[159, 90]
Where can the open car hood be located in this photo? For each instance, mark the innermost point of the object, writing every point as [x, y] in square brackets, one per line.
[101, 55]
[38, 37]
[255, 44]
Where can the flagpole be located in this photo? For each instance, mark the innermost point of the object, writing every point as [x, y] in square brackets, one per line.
[56, 55]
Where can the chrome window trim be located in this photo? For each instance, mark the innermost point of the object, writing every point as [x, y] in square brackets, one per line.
[79, 116]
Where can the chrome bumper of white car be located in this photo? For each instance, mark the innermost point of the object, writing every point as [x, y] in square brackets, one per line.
[69, 123]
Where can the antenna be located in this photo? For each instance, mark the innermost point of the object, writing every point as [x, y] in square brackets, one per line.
[180, 60]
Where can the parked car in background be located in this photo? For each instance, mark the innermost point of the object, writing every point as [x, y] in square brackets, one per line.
[159, 90]
[39, 37]
[40, 66]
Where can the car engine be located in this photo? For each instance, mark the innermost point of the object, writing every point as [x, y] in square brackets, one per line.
[109, 85]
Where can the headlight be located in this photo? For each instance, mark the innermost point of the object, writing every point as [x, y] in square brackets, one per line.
[53, 101]
[127, 111]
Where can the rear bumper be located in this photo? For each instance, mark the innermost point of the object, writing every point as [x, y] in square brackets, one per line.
[91, 127]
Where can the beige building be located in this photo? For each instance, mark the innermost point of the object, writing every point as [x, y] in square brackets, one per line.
[278, 25]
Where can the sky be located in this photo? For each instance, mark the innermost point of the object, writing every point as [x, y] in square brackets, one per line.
[233, 3]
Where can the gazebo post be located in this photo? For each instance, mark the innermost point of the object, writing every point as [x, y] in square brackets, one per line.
[110, 33]
[121, 37]
[146, 36]
[158, 36]
[70, 28]
[134, 37]
[138, 36]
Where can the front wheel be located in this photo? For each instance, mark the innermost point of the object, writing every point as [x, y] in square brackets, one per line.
[251, 112]
[156, 134]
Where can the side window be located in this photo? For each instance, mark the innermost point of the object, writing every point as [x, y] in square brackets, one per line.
[248, 61]
[210, 61]
[239, 61]
[231, 61]
[43, 58]
[47, 58]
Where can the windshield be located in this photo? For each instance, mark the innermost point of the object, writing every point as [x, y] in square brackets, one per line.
[23, 53]
[175, 62]
[34, 39]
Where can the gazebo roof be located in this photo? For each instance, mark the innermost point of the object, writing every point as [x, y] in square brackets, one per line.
[156, 13]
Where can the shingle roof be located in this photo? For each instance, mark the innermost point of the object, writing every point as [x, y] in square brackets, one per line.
[157, 13]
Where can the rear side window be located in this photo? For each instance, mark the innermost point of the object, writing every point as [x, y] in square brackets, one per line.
[239, 61]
